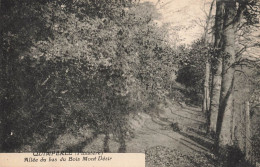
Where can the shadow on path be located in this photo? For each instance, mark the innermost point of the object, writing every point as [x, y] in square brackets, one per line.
[198, 140]
[191, 119]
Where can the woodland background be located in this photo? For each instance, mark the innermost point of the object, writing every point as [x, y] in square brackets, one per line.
[68, 65]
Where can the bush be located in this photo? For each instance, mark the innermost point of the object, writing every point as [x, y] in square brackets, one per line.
[79, 68]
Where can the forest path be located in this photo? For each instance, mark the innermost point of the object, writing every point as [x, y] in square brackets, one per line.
[173, 137]
[177, 127]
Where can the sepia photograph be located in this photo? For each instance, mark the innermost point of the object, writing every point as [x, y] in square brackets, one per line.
[176, 81]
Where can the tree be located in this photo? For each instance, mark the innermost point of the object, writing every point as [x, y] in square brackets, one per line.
[231, 13]
[206, 95]
[223, 135]
[216, 68]
[74, 64]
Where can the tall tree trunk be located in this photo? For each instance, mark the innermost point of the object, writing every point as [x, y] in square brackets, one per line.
[223, 129]
[216, 67]
[206, 97]
[248, 132]
[215, 94]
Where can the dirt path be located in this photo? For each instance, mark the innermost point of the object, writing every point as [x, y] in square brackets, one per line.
[177, 131]
[160, 131]
[174, 137]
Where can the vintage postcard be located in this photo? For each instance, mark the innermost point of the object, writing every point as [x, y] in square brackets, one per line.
[130, 83]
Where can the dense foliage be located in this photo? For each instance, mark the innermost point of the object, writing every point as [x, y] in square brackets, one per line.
[81, 63]
[191, 71]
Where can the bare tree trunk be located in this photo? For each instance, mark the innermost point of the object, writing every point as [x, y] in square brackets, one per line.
[122, 148]
[216, 68]
[248, 132]
[206, 95]
[223, 129]
[206, 98]
[215, 94]
[106, 143]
